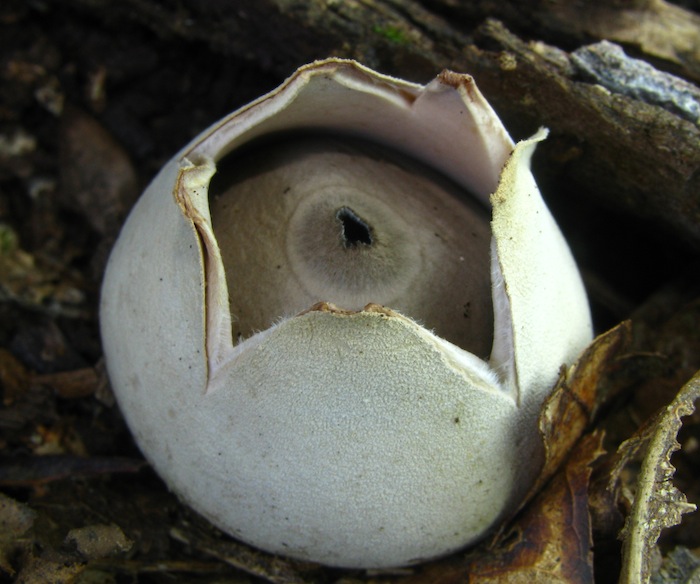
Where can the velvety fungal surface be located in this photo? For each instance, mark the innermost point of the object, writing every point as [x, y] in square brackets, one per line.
[340, 220]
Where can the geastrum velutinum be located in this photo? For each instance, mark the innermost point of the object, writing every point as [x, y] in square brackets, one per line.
[336, 348]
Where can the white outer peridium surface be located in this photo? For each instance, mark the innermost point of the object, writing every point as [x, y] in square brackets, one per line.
[355, 440]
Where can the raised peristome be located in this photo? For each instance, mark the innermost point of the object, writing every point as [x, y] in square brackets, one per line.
[313, 218]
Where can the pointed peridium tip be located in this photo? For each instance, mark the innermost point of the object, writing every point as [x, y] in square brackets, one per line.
[333, 309]
[457, 80]
[540, 135]
[464, 84]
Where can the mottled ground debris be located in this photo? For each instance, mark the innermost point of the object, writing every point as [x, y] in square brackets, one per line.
[95, 96]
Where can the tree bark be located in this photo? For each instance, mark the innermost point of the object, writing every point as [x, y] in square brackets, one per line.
[634, 157]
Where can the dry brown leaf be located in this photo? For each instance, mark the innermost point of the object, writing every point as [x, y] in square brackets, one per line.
[578, 394]
[657, 503]
[550, 543]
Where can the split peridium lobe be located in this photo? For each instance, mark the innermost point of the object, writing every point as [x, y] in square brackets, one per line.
[191, 195]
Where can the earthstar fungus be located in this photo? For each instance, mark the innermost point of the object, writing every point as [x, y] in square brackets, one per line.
[326, 349]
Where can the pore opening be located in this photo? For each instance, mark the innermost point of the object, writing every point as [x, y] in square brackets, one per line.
[305, 217]
[355, 231]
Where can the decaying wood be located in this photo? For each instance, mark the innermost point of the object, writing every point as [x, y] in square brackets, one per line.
[635, 157]
[142, 70]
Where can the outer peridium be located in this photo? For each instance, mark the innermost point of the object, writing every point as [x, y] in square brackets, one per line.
[540, 310]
